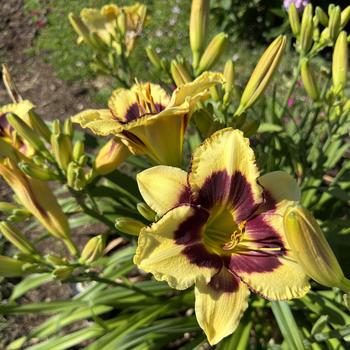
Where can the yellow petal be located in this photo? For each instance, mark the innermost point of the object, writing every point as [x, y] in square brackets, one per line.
[272, 274]
[280, 186]
[99, 121]
[21, 109]
[159, 253]
[220, 305]
[197, 89]
[223, 170]
[159, 95]
[163, 187]
[123, 104]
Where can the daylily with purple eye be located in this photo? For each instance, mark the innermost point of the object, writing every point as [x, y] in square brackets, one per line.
[148, 120]
[221, 228]
[8, 134]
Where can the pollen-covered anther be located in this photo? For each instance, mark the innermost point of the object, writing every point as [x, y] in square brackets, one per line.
[236, 237]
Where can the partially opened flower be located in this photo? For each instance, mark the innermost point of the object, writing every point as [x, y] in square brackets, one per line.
[113, 26]
[7, 132]
[148, 120]
[222, 230]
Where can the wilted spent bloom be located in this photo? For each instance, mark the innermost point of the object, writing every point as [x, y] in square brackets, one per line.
[340, 63]
[299, 4]
[198, 28]
[93, 250]
[37, 198]
[311, 249]
[110, 156]
[308, 80]
[142, 116]
[111, 26]
[10, 85]
[262, 74]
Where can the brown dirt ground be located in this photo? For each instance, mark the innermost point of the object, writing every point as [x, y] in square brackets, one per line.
[53, 98]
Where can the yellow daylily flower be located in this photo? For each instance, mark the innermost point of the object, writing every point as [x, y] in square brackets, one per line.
[221, 228]
[111, 25]
[148, 120]
[37, 198]
[7, 132]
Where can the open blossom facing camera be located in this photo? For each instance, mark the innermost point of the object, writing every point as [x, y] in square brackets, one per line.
[148, 120]
[222, 230]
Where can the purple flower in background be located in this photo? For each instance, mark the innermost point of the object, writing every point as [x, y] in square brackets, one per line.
[299, 4]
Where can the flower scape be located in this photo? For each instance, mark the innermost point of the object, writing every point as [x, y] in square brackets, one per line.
[195, 208]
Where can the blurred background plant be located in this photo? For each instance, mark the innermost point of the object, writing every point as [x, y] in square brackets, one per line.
[297, 122]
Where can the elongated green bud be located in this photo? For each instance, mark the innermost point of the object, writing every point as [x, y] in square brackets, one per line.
[25, 132]
[121, 22]
[306, 31]
[294, 20]
[334, 23]
[345, 17]
[38, 172]
[340, 63]
[308, 79]
[7, 207]
[179, 73]
[153, 57]
[198, 28]
[213, 52]
[229, 76]
[311, 249]
[68, 127]
[17, 238]
[62, 272]
[322, 16]
[76, 177]
[78, 150]
[146, 211]
[39, 125]
[10, 267]
[93, 250]
[62, 149]
[55, 260]
[129, 226]
[262, 74]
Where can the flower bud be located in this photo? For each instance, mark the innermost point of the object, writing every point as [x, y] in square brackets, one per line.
[7, 207]
[38, 199]
[68, 127]
[306, 31]
[62, 149]
[262, 74]
[311, 249]
[153, 57]
[110, 156]
[37, 124]
[76, 177]
[10, 85]
[198, 27]
[25, 132]
[17, 238]
[308, 79]
[213, 52]
[121, 22]
[55, 260]
[146, 211]
[334, 23]
[322, 16]
[340, 63]
[62, 272]
[129, 226]
[294, 20]
[93, 250]
[229, 76]
[179, 73]
[345, 17]
[10, 267]
[38, 172]
[78, 150]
